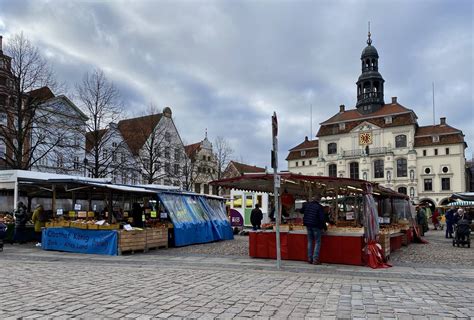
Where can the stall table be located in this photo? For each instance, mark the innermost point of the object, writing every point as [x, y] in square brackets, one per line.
[336, 247]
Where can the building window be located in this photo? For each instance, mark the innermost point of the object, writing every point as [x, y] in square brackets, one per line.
[310, 162]
[388, 120]
[167, 167]
[427, 170]
[332, 170]
[435, 152]
[114, 144]
[378, 168]
[3, 118]
[424, 153]
[177, 154]
[3, 149]
[167, 152]
[445, 169]
[167, 137]
[354, 170]
[114, 156]
[296, 163]
[332, 148]
[402, 190]
[302, 163]
[445, 184]
[303, 153]
[342, 126]
[435, 138]
[447, 150]
[176, 169]
[428, 185]
[59, 161]
[105, 154]
[76, 163]
[402, 167]
[401, 141]
[206, 189]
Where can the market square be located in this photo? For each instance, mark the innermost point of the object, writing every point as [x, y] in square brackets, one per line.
[236, 159]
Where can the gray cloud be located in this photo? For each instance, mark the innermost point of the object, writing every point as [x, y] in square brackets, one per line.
[227, 65]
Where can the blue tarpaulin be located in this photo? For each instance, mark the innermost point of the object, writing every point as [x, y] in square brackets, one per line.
[195, 220]
[80, 241]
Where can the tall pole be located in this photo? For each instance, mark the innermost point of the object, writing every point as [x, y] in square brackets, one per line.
[434, 118]
[276, 185]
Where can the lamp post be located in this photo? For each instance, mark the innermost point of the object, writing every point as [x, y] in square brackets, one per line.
[85, 166]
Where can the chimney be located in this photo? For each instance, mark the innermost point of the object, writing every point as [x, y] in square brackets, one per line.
[342, 108]
[306, 138]
[442, 121]
[394, 100]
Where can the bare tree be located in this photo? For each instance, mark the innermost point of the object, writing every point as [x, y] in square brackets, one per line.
[222, 153]
[102, 104]
[28, 131]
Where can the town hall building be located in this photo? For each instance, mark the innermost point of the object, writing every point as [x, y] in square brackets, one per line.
[382, 142]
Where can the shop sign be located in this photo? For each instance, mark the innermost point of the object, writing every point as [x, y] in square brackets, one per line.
[236, 219]
[80, 241]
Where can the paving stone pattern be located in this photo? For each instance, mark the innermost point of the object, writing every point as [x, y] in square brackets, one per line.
[168, 284]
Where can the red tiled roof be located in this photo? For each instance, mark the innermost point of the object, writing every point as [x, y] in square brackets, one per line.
[245, 168]
[306, 144]
[41, 94]
[90, 137]
[354, 114]
[436, 129]
[136, 131]
[312, 153]
[191, 149]
[398, 120]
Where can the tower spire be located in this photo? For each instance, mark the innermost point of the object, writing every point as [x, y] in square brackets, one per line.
[369, 41]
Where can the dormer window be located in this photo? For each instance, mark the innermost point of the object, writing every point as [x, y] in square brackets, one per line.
[435, 138]
[342, 126]
[303, 153]
[388, 120]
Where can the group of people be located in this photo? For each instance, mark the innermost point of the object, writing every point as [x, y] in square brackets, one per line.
[453, 216]
[39, 219]
[314, 219]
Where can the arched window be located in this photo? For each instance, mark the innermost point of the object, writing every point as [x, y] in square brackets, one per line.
[332, 170]
[378, 168]
[402, 190]
[401, 141]
[332, 148]
[402, 167]
[354, 170]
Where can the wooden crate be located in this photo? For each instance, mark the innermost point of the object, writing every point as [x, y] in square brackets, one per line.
[134, 240]
[156, 238]
[78, 225]
[384, 240]
[113, 226]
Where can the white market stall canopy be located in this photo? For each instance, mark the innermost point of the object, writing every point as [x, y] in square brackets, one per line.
[462, 204]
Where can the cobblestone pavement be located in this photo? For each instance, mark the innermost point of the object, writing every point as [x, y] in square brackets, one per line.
[175, 284]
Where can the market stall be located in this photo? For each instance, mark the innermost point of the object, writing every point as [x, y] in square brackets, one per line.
[345, 202]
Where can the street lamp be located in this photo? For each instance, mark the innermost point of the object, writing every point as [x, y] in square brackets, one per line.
[85, 166]
[412, 175]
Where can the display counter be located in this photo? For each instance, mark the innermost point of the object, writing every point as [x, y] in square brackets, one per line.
[336, 247]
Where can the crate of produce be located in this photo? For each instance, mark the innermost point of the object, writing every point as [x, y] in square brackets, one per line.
[156, 238]
[113, 226]
[62, 223]
[78, 225]
[92, 226]
[50, 224]
[134, 240]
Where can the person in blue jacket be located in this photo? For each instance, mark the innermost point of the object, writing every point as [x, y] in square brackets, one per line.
[449, 222]
[314, 221]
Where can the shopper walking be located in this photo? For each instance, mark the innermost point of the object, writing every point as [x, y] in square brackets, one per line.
[256, 217]
[449, 222]
[21, 217]
[313, 219]
[435, 219]
[39, 219]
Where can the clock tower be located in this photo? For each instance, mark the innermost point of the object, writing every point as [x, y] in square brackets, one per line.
[370, 82]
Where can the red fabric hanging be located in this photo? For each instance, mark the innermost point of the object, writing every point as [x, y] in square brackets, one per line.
[375, 257]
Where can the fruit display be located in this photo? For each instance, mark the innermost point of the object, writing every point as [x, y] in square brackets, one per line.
[6, 218]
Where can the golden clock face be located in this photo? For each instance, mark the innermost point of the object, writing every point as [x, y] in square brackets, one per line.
[365, 138]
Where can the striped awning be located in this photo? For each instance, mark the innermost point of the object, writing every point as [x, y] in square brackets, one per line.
[462, 204]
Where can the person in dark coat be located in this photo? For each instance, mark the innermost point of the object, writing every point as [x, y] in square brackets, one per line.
[137, 214]
[256, 217]
[449, 222]
[314, 221]
[21, 218]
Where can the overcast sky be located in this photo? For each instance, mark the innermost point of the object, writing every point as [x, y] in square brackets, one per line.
[227, 65]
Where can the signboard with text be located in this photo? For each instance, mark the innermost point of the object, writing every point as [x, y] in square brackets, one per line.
[80, 241]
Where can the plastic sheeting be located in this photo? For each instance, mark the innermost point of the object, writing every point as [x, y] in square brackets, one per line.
[195, 220]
